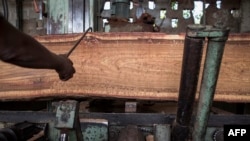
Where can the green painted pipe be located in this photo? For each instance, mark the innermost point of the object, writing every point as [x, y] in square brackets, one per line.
[120, 8]
[211, 70]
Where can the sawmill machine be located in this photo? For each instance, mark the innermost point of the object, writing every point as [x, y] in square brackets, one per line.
[153, 70]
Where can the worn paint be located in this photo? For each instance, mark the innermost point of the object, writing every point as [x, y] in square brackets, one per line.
[58, 16]
[210, 75]
[96, 132]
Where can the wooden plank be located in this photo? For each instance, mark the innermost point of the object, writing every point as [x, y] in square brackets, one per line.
[124, 65]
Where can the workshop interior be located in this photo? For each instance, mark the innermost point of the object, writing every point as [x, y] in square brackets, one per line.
[146, 70]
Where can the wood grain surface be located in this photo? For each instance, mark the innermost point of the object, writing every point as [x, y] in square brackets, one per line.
[142, 66]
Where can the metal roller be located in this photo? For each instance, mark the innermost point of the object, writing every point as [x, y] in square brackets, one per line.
[189, 77]
[192, 56]
[210, 75]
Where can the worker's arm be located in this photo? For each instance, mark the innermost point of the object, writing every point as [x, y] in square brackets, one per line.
[23, 50]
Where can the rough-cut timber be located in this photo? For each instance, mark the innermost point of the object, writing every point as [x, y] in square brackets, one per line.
[124, 65]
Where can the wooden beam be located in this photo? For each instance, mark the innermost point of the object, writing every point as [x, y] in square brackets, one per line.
[142, 66]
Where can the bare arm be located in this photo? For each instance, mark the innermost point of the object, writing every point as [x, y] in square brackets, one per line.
[23, 50]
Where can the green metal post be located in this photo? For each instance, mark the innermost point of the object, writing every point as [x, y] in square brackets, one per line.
[162, 132]
[211, 70]
[121, 8]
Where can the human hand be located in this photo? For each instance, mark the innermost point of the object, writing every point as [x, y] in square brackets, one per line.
[65, 69]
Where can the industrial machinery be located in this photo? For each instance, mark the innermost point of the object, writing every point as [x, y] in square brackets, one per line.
[130, 86]
[63, 121]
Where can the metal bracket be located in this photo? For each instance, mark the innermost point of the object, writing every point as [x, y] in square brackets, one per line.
[67, 119]
[206, 31]
[130, 107]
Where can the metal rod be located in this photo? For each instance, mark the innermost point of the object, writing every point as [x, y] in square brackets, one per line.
[163, 132]
[41, 10]
[211, 70]
[5, 9]
[64, 137]
[74, 47]
[118, 119]
[204, 12]
[192, 56]
[19, 11]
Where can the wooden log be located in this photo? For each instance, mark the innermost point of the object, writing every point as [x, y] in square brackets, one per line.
[142, 66]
